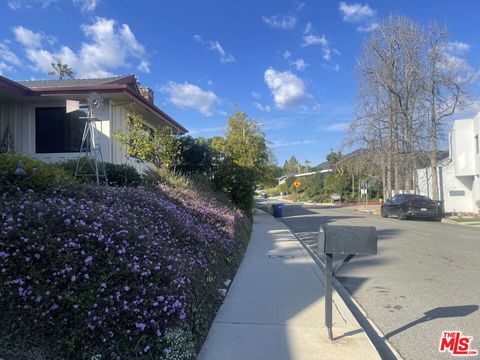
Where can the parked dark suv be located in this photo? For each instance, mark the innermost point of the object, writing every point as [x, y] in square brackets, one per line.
[411, 205]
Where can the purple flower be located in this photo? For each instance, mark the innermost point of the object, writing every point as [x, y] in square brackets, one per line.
[146, 349]
[88, 260]
[140, 326]
[67, 221]
[73, 278]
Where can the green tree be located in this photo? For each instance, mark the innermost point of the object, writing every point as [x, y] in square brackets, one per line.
[61, 70]
[197, 156]
[161, 147]
[242, 159]
[292, 166]
[334, 160]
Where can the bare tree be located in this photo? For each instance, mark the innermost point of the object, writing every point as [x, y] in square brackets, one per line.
[445, 84]
[408, 86]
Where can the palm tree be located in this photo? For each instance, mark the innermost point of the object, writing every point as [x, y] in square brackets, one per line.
[61, 70]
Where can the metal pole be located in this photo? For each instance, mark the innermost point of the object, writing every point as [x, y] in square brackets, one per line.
[328, 295]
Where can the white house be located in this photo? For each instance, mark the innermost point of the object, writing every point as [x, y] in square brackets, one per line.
[459, 175]
[34, 112]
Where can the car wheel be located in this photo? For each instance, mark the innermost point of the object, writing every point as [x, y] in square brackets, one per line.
[383, 213]
[401, 215]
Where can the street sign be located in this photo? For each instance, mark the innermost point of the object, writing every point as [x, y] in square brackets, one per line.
[297, 184]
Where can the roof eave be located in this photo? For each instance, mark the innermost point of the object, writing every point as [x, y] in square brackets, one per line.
[114, 88]
[14, 86]
[154, 109]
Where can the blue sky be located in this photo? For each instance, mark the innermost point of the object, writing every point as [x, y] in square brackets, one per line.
[287, 64]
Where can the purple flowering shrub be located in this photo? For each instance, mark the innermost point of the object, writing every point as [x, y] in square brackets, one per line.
[87, 271]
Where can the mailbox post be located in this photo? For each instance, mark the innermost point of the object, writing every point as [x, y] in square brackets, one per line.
[346, 240]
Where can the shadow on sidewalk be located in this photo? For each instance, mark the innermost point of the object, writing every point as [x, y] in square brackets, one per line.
[437, 313]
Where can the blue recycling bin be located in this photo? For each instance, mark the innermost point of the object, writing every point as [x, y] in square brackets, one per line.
[277, 210]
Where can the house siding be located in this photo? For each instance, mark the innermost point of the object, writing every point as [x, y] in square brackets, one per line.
[20, 117]
[461, 172]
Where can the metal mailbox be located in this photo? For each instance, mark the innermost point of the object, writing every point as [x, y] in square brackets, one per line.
[339, 239]
[348, 240]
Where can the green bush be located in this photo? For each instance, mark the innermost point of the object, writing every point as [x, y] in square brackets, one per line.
[122, 175]
[117, 174]
[238, 182]
[164, 176]
[39, 175]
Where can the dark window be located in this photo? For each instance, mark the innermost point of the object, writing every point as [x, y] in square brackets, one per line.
[58, 132]
[477, 147]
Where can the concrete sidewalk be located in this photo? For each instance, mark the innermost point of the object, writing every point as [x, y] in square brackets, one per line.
[275, 306]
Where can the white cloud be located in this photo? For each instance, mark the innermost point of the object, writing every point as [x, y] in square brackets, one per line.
[27, 37]
[4, 67]
[293, 143]
[360, 14]
[310, 38]
[191, 96]
[110, 47]
[287, 88]
[286, 54]
[7, 56]
[264, 108]
[214, 130]
[299, 5]
[217, 47]
[369, 27]
[284, 22]
[356, 12]
[299, 64]
[458, 48]
[336, 127]
[28, 4]
[256, 95]
[224, 57]
[86, 5]
[14, 4]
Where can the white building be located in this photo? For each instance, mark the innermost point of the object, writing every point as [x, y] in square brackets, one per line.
[459, 175]
[35, 114]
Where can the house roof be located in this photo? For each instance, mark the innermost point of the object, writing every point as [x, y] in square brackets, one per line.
[126, 85]
[39, 84]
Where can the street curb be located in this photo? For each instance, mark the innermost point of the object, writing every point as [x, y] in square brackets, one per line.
[384, 349]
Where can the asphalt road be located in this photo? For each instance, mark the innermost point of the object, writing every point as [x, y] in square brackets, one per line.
[425, 278]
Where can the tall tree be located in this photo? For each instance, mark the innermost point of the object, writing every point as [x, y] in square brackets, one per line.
[243, 159]
[446, 81]
[291, 166]
[61, 71]
[409, 85]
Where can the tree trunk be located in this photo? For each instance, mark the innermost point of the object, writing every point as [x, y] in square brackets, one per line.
[434, 159]
[433, 124]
